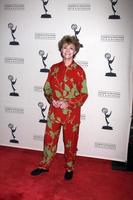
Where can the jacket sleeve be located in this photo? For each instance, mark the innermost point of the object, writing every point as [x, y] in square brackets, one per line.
[47, 88]
[81, 91]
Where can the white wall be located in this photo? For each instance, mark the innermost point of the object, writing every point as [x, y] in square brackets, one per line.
[99, 35]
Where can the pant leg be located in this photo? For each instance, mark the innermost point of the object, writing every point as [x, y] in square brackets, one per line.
[50, 142]
[70, 138]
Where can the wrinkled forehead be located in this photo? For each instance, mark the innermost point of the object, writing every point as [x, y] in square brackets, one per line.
[68, 44]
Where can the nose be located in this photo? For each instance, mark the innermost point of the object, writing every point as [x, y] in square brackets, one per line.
[67, 49]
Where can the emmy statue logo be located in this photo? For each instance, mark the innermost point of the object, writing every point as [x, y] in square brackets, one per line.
[46, 15]
[44, 57]
[76, 30]
[13, 30]
[107, 115]
[13, 140]
[114, 16]
[110, 61]
[14, 93]
[40, 105]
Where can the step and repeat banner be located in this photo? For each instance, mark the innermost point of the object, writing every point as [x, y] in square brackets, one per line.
[29, 35]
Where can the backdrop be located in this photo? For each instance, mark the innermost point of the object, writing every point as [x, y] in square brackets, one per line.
[29, 35]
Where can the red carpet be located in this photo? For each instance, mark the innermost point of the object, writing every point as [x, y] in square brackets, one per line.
[93, 179]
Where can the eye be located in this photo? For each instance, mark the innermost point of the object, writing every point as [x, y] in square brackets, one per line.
[64, 47]
[72, 48]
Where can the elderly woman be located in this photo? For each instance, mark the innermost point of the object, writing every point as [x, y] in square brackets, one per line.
[66, 91]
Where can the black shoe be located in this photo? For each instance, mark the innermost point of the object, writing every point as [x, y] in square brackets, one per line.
[38, 171]
[68, 175]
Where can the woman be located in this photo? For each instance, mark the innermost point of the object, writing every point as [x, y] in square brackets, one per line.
[66, 91]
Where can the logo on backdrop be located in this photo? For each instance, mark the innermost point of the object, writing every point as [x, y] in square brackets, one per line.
[112, 38]
[46, 15]
[13, 130]
[44, 57]
[103, 145]
[109, 94]
[79, 6]
[14, 110]
[41, 106]
[14, 60]
[110, 61]
[13, 82]
[13, 30]
[14, 6]
[106, 115]
[114, 16]
[76, 30]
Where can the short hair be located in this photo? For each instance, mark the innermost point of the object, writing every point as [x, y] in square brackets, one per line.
[69, 40]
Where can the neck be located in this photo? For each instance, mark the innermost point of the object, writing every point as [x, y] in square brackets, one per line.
[68, 61]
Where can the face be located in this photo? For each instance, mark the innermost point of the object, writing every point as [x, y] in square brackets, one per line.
[68, 51]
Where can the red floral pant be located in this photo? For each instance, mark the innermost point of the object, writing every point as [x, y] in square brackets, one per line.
[69, 119]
